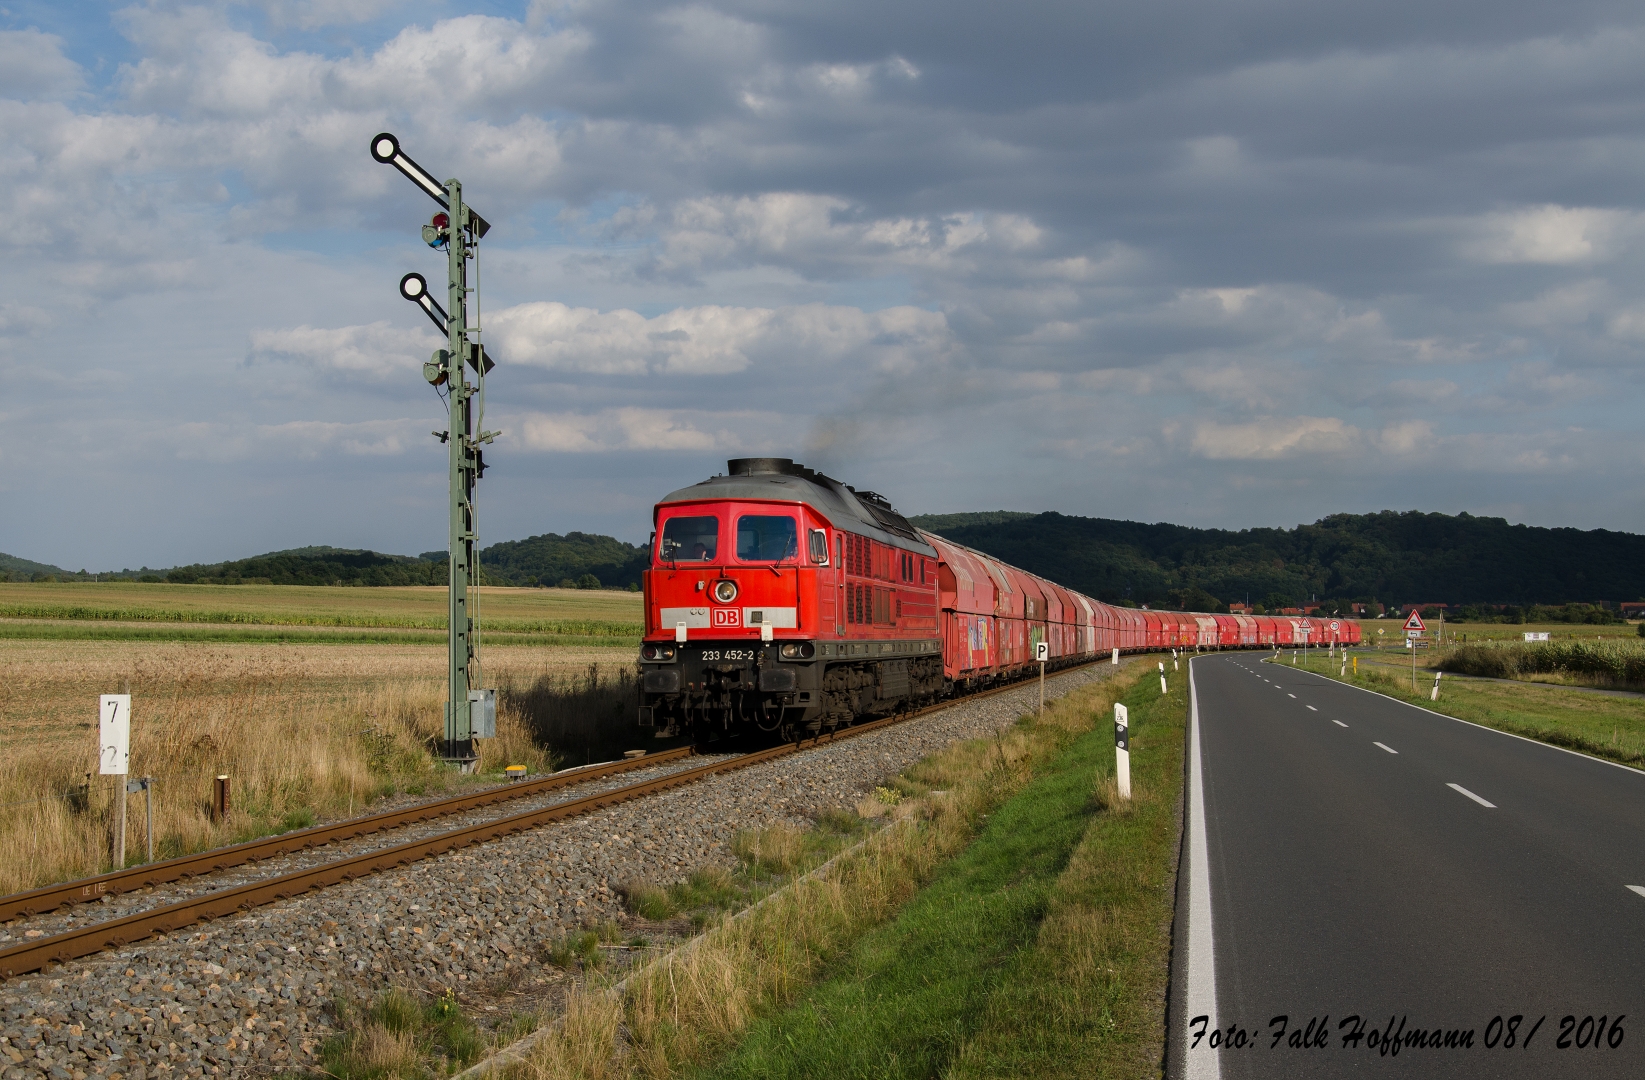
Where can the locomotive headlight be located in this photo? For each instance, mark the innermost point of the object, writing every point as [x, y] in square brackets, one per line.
[725, 590]
[657, 652]
[798, 650]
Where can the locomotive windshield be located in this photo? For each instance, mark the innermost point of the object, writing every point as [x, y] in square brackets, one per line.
[690, 539]
[766, 538]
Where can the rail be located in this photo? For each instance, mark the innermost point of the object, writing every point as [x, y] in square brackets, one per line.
[51, 897]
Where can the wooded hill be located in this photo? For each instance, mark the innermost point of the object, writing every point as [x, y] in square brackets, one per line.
[579, 560]
[1390, 557]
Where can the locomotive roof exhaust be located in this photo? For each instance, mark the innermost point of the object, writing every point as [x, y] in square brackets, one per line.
[750, 466]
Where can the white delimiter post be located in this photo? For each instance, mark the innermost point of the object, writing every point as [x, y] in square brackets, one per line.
[1162, 677]
[1122, 750]
[1116, 658]
[1042, 653]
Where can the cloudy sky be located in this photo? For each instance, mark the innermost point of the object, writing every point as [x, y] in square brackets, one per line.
[1213, 263]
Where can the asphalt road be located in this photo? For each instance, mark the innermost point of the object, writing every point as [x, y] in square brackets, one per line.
[1351, 868]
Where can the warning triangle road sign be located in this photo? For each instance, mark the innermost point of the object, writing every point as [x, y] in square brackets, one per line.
[1415, 621]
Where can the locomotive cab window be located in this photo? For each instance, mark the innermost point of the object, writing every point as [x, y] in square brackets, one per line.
[819, 547]
[690, 539]
[766, 538]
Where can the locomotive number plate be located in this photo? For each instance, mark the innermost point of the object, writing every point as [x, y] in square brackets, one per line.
[728, 654]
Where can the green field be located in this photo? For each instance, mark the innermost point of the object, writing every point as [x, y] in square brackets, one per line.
[1393, 635]
[126, 610]
[1610, 726]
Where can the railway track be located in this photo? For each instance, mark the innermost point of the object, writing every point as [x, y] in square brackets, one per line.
[38, 954]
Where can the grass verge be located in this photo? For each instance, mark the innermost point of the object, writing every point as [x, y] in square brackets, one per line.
[1041, 950]
[694, 1005]
[1604, 725]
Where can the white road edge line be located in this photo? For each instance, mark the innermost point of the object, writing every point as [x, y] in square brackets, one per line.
[1386, 747]
[1339, 723]
[1640, 889]
[1290, 695]
[1310, 708]
[1202, 959]
[1471, 795]
[1482, 727]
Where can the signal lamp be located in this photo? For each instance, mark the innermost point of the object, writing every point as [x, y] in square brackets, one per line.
[798, 650]
[437, 233]
[725, 590]
[657, 652]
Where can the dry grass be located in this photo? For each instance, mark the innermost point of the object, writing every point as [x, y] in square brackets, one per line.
[305, 732]
[691, 1004]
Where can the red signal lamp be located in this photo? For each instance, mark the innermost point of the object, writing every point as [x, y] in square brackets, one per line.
[437, 233]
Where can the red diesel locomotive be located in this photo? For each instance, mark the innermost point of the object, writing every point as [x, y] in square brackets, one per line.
[781, 598]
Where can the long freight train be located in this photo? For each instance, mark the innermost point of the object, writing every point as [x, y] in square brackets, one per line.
[781, 598]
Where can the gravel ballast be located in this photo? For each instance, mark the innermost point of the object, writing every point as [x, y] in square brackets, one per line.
[256, 993]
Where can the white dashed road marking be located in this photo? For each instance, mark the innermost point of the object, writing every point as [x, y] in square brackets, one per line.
[1471, 795]
[1310, 708]
[1390, 749]
[1640, 889]
[1339, 723]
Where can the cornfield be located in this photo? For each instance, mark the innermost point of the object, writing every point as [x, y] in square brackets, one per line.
[1607, 663]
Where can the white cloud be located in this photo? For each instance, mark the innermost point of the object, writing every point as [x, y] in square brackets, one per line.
[648, 429]
[223, 442]
[1551, 234]
[825, 232]
[379, 349]
[32, 65]
[710, 340]
[1273, 437]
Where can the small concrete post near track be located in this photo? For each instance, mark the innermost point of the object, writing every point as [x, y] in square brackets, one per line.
[114, 759]
[1042, 653]
[220, 800]
[1122, 749]
[1115, 659]
[1162, 689]
[1174, 657]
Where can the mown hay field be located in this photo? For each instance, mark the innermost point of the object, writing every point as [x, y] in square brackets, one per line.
[305, 731]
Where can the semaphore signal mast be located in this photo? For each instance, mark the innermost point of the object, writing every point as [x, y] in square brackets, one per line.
[470, 713]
